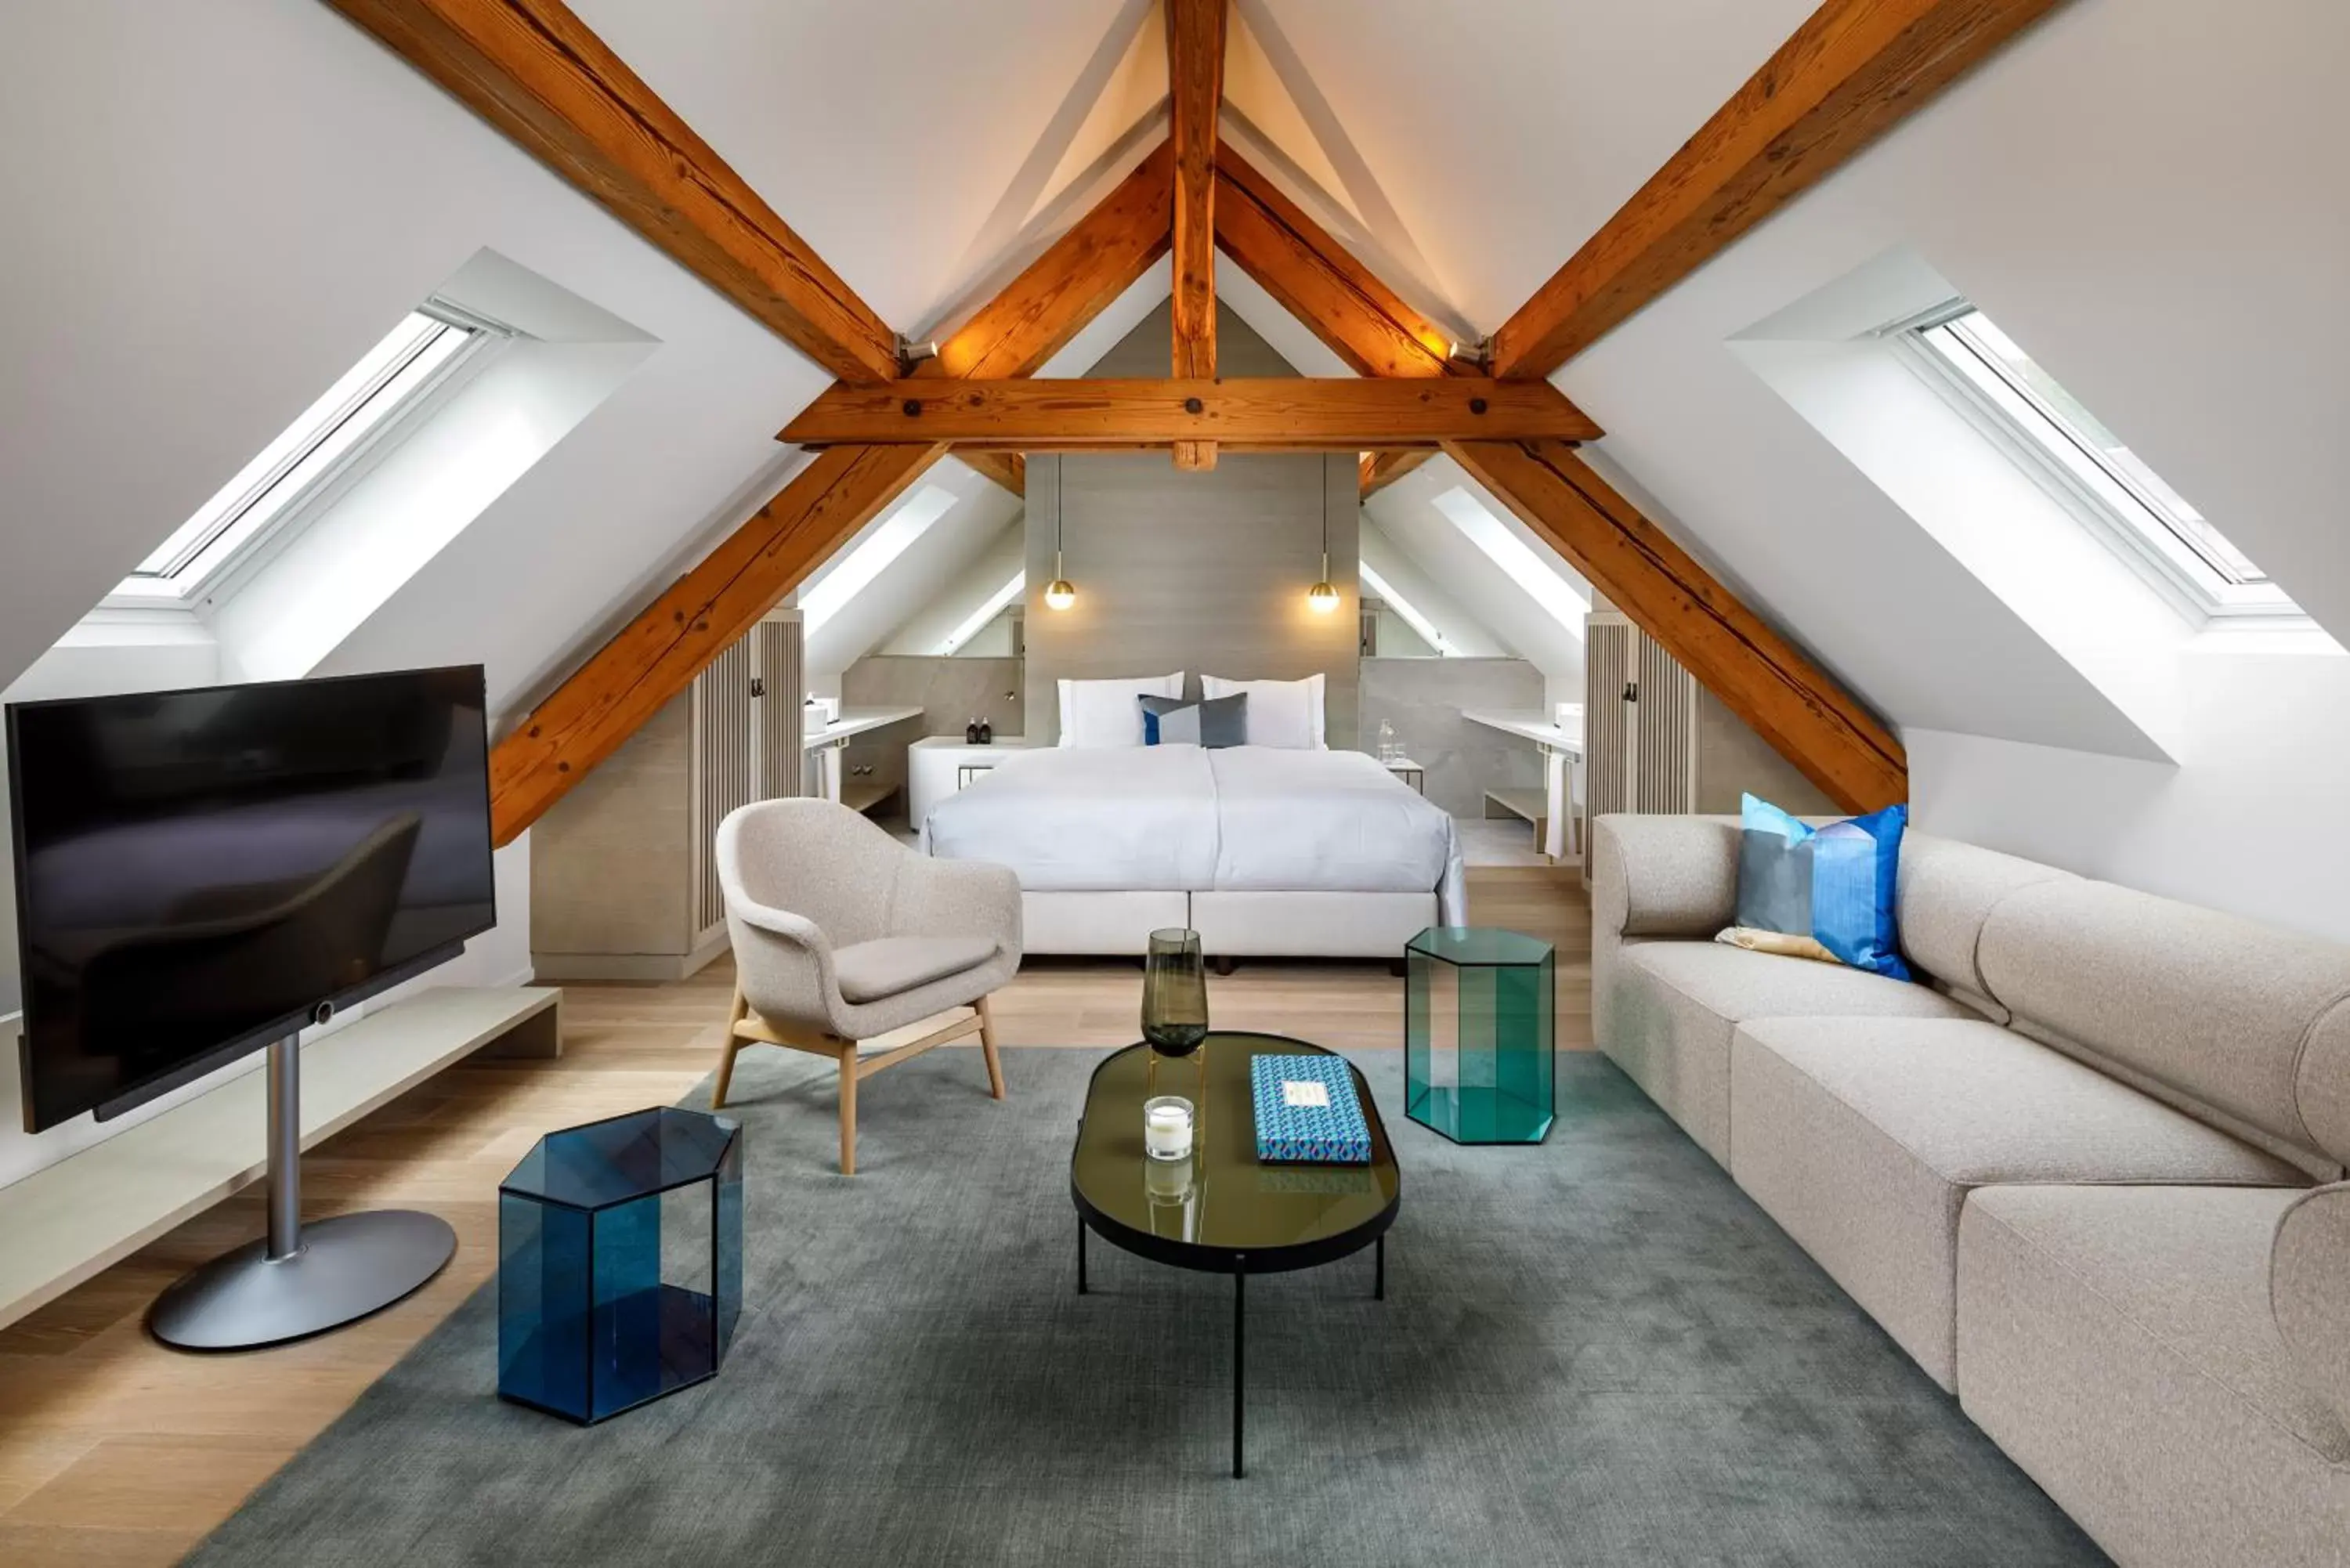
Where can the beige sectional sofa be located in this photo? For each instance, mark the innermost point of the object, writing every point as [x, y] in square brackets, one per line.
[2089, 1174]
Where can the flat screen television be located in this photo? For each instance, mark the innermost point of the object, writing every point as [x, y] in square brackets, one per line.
[201, 872]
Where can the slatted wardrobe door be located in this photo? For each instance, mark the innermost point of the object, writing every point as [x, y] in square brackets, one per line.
[780, 650]
[1664, 768]
[1606, 670]
[1641, 724]
[725, 766]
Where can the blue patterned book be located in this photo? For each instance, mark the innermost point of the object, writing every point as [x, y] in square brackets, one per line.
[1307, 1112]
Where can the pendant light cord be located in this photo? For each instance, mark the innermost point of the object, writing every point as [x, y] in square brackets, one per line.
[1327, 541]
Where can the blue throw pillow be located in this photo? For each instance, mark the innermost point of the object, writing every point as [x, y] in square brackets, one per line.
[1176, 720]
[1824, 893]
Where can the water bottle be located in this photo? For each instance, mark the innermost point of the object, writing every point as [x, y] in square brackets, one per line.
[1388, 752]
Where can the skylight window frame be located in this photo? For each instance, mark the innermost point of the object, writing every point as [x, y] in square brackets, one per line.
[862, 563]
[981, 618]
[1553, 593]
[237, 544]
[1386, 594]
[2106, 500]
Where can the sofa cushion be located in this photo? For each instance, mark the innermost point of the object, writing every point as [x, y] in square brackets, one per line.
[2118, 1343]
[1672, 1006]
[1946, 890]
[2246, 1024]
[2309, 1288]
[1863, 1136]
[888, 966]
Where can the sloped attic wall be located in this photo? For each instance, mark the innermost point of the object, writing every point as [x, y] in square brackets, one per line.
[257, 192]
[2146, 194]
[221, 208]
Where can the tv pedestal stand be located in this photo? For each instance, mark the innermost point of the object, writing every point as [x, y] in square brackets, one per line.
[300, 1279]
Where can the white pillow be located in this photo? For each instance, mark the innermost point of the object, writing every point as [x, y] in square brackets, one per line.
[1110, 712]
[1286, 713]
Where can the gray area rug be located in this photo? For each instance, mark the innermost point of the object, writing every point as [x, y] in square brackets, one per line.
[1596, 1351]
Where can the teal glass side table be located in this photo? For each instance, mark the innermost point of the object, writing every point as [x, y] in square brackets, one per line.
[1479, 1006]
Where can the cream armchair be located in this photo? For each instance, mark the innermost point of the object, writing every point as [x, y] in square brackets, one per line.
[844, 935]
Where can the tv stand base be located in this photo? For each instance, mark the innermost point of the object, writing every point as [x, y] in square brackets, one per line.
[345, 1268]
[299, 1280]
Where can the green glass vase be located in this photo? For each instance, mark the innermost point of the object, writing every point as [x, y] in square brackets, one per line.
[1174, 993]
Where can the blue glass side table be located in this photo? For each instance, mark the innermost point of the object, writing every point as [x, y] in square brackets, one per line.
[619, 1261]
[1478, 1011]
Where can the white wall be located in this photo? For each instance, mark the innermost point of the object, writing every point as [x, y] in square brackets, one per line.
[2249, 820]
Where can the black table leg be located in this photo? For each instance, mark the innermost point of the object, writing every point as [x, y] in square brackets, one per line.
[1081, 1257]
[1379, 1270]
[1240, 1356]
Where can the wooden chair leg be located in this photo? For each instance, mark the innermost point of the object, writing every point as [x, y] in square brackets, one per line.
[987, 1048]
[848, 1109]
[735, 1014]
[725, 1073]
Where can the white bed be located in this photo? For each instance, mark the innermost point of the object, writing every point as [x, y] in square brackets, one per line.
[1265, 851]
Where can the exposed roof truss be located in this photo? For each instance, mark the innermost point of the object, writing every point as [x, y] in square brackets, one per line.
[541, 76]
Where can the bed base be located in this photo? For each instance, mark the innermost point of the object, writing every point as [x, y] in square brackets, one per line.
[1231, 924]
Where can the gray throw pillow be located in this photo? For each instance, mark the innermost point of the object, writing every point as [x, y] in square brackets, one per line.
[1176, 720]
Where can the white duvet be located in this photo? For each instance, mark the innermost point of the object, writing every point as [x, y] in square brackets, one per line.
[1181, 818]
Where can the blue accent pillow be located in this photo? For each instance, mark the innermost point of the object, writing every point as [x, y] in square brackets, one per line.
[1828, 891]
[1178, 721]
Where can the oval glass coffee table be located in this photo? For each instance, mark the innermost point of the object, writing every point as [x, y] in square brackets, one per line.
[1223, 1211]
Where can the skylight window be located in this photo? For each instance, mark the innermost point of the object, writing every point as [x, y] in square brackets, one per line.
[374, 397]
[2154, 527]
[1517, 560]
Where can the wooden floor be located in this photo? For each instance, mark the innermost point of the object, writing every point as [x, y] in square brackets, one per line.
[114, 1451]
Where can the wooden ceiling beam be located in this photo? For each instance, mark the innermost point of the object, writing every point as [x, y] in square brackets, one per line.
[538, 73]
[1195, 71]
[1852, 72]
[1035, 315]
[1313, 278]
[1761, 677]
[1380, 469]
[1007, 469]
[1281, 414]
[1342, 302]
[657, 656]
[659, 653]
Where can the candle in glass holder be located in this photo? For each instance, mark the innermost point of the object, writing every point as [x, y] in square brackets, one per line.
[1167, 1128]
